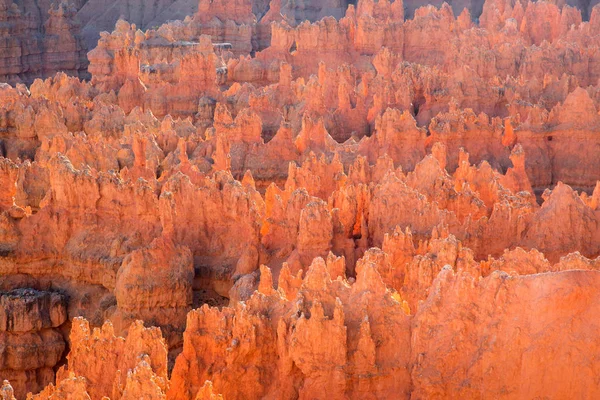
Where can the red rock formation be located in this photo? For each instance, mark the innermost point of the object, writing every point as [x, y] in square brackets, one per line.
[340, 208]
[101, 364]
[155, 285]
[521, 342]
[288, 345]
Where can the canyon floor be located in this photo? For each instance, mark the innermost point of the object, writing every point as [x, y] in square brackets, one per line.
[299, 199]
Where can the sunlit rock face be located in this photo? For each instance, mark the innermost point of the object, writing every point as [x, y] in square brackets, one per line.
[299, 199]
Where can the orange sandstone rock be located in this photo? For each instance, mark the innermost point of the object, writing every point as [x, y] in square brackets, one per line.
[328, 199]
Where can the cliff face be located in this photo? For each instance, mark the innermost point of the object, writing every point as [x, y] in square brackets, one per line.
[32, 344]
[38, 46]
[512, 353]
[367, 207]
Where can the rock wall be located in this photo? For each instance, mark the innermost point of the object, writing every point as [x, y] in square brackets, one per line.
[38, 47]
[32, 344]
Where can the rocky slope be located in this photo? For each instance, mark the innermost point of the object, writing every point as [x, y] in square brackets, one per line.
[366, 207]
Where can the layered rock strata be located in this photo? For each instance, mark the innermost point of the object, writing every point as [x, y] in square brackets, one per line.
[34, 47]
[31, 343]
